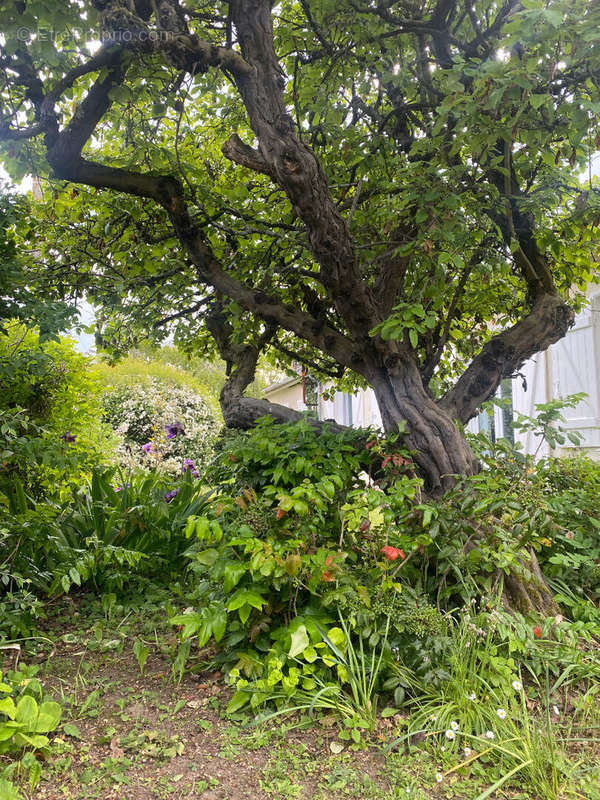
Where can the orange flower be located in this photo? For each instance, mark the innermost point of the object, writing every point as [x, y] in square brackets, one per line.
[537, 632]
[328, 576]
[392, 553]
[280, 513]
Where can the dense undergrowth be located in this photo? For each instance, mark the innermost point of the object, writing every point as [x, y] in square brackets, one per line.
[312, 571]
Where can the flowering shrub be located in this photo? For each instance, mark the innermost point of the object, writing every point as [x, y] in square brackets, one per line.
[309, 525]
[161, 427]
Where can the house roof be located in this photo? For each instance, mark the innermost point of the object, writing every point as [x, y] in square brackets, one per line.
[282, 384]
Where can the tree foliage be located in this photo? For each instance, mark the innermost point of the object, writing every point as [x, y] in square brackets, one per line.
[385, 191]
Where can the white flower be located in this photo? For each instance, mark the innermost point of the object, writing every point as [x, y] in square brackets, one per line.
[450, 734]
[501, 713]
[472, 696]
[517, 686]
[454, 725]
[490, 735]
[556, 711]
[433, 718]
[467, 751]
[439, 777]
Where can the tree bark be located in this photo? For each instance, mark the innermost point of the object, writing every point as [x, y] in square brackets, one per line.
[440, 449]
[529, 596]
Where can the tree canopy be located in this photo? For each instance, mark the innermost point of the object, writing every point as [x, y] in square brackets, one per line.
[396, 194]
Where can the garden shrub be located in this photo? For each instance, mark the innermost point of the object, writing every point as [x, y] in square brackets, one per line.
[314, 530]
[307, 525]
[50, 404]
[110, 535]
[51, 434]
[141, 415]
[569, 489]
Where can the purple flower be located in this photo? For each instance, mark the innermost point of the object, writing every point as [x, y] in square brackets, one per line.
[120, 488]
[189, 466]
[69, 437]
[174, 429]
[148, 448]
[170, 495]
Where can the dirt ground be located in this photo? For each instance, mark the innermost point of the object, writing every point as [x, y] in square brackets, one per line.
[133, 735]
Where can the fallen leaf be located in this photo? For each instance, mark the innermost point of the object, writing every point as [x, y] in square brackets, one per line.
[116, 751]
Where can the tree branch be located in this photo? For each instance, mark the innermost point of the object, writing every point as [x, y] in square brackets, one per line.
[548, 321]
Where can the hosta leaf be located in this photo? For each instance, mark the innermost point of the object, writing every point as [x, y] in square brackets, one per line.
[27, 712]
[48, 717]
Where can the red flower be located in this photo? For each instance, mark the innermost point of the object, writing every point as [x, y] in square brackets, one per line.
[537, 632]
[328, 576]
[329, 561]
[392, 553]
[385, 462]
[370, 444]
[280, 513]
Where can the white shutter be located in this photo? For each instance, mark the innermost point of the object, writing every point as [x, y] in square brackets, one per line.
[533, 387]
[576, 365]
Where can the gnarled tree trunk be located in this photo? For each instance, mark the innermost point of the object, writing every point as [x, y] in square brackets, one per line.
[440, 450]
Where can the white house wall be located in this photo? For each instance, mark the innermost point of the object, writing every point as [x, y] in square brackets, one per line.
[570, 366]
[533, 386]
[365, 411]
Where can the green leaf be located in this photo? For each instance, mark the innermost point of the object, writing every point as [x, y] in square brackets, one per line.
[218, 619]
[191, 621]
[27, 712]
[232, 575]
[141, 652]
[243, 597]
[35, 773]
[8, 791]
[538, 100]
[48, 717]
[239, 700]
[300, 641]
[7, 706]
[207, 557]
[69, 729]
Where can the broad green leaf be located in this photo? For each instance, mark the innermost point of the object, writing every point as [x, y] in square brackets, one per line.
[299, 641]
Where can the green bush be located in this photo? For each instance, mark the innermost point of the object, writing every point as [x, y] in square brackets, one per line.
[51, 413]
[117, 533]
[51, 434]
[312, 525]
[307, 524]
[109, 535]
